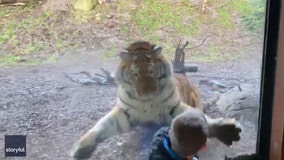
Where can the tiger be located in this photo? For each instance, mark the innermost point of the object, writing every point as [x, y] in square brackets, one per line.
[191, 95]
[149, 91]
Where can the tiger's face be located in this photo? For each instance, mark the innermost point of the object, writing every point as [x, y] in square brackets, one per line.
[144, 68]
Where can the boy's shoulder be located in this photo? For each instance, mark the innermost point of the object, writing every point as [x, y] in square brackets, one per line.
[162, 132]
[157, 151]
[159, 137]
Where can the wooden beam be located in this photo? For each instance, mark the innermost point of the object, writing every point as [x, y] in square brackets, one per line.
[277, 132]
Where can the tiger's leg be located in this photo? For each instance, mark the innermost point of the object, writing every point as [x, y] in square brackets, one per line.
[115, 122]
[225, 130]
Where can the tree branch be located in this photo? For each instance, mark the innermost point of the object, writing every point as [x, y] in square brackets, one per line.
[199, 44]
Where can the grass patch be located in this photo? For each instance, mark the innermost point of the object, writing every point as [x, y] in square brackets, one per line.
[12, 10]
[197, 56]
[152, 15]
[123, 6]
[252, 13]
[108, 53]
[213, 54]
[169, 51]
[211, 57]
[33, 34]
[161, 22]
[33, 62]
[13, 32]
[98, 14]
[52, 59]
[7, 31]
[48, 59]
[9, 59]
[224, 18]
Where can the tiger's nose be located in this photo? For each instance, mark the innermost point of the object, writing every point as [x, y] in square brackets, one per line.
[145, 86]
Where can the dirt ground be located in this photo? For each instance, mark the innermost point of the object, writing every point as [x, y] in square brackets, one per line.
[40, 102]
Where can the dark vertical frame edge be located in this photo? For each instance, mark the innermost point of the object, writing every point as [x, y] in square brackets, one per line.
[268, 78]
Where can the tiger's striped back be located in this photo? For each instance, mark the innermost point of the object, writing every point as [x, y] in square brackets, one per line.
[188, 92]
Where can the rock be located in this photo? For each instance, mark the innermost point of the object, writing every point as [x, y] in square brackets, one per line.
[119, 144]
[109, 16]
[3, 129]
[85, 5]
[212, 83]
[242, 103]
[98, 17]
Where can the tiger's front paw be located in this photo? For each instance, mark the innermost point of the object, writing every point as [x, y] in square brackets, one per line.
[80, 152]
[227, 131]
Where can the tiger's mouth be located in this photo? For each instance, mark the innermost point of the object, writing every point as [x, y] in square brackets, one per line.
[145, 86]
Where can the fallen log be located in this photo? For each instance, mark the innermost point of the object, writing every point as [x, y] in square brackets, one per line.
[12, 3]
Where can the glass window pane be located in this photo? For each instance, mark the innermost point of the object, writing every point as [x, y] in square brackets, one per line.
[58, 61]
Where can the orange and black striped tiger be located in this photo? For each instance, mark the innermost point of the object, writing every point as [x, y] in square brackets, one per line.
[149, 91]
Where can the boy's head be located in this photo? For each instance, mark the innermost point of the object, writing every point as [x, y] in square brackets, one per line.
[188, 133]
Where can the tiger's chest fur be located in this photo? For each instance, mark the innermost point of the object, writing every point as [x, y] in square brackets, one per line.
[177, 91]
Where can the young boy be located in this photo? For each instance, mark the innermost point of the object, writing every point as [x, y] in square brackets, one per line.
[186, 136]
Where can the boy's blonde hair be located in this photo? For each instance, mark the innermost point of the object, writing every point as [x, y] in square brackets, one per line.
[188, 132]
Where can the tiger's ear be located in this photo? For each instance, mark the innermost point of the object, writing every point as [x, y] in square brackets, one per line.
[157, 50]
[125, 55]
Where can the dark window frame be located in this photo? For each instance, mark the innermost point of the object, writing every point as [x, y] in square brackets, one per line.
[270, 49]
[264, 150]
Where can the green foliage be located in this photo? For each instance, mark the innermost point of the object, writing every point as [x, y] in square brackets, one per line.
[52, 58]
[161, 22]
[224, 18]
[154, 38]
[36, 33]
[252, 13]
[152, 15]
[33, 62]
[9, 59]
[123, 29]
[123, 6]
[42, 19]
[85, 5]
[212, 54]
[7, 31]
[11, 10]
[29, 49]
[49, 59]
[169, 51]
[97, 14]
[11, 30]
[108, 53]
[255, 19]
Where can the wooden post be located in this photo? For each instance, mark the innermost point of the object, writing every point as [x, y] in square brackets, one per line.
[178, 61]
[277, 132]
